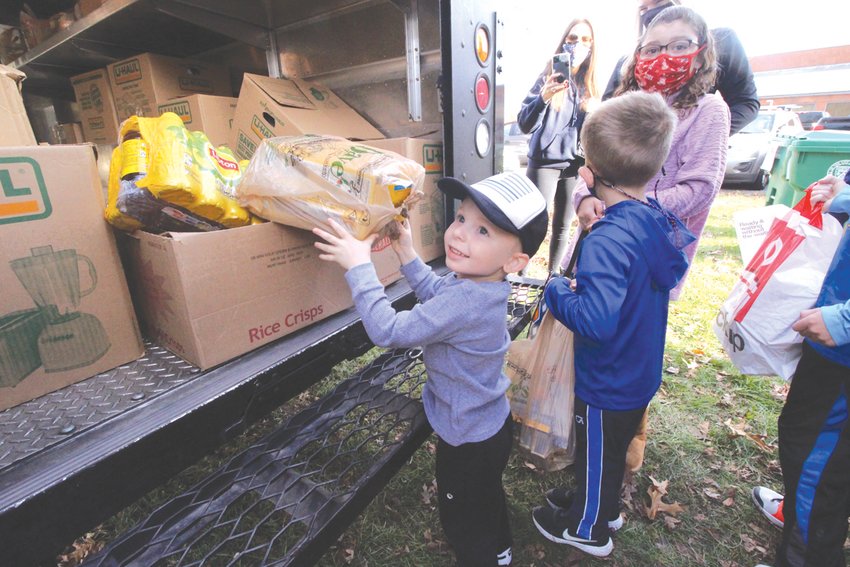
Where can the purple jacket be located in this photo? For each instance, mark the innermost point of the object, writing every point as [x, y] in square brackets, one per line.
[691, 176]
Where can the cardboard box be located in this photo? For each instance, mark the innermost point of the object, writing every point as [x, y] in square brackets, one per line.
[141, 83]
[428, 217]
[211, 296]
[289, 107]
[65, 311]
[97, 107]
[85, 7]
[68, 133]
[15, 129]
[212, 115]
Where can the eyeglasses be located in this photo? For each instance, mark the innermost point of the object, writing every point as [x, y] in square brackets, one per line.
[678, 47]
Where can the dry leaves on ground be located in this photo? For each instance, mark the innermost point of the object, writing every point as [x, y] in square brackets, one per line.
[80, 550]
[429, 494]
[740, 430]
[656, 493]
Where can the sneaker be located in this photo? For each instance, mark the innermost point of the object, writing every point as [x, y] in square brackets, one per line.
[505, 557]
[770, 504]
[547, 521]
[561, 498]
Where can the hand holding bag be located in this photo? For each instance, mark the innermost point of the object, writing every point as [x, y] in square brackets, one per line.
[782, 278]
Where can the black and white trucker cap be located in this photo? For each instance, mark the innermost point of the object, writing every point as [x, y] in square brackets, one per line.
[510, 201]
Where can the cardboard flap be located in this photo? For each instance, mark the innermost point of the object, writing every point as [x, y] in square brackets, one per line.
[282, 91]
[13, 74]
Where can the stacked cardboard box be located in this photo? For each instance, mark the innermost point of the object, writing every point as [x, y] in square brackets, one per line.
[97, 107]
[15, 129]
[141, 83]
[290, 107]
[65, 311]
[212, 115]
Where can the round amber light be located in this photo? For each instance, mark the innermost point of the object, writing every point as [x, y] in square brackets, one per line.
[482, 44]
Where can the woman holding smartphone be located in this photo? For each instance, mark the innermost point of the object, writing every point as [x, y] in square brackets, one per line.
[553, 112]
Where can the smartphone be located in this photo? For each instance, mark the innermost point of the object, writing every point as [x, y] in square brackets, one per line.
[561, 66]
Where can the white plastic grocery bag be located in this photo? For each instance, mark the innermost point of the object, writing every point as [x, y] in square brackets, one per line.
[782, 278]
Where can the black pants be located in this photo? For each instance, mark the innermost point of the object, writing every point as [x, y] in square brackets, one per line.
[473, 509]
[602, 439]
[814, 451]
[557, 186]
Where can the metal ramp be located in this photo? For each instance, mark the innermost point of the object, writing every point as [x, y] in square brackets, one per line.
[288, 497]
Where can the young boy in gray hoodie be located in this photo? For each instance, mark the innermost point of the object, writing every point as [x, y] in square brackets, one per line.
[461, 326]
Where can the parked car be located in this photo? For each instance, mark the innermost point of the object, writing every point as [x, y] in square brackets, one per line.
[516, 147]
[833, 123]
[808, 118]
[749, 147]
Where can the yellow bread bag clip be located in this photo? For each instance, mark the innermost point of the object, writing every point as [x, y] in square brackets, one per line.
[302, 181]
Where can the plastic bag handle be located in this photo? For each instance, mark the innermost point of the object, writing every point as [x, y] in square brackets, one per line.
[814, 213]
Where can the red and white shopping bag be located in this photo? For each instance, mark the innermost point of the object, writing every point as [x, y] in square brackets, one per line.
[782, 279]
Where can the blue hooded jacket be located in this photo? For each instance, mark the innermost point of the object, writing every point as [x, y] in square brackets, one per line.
[626, 268]
[834, 298]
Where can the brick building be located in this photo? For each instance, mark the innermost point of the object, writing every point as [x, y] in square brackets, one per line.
[815, 79]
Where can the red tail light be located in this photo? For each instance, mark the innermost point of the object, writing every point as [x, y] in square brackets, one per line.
[818, 127]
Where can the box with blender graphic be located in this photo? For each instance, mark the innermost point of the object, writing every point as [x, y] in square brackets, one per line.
[65, 310]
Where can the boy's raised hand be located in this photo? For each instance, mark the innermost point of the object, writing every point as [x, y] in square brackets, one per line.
[342, 247]
[403, 245]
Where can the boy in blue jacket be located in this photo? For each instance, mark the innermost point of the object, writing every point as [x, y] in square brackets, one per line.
[461, 324]
[617, 308]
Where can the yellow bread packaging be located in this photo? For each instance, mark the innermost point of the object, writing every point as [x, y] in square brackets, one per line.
[303, 181]
[165, 178]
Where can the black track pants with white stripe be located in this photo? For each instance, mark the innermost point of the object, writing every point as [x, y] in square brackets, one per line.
[814, 451]
[602, 439]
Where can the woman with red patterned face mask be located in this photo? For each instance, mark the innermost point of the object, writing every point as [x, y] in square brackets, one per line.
[675, 57]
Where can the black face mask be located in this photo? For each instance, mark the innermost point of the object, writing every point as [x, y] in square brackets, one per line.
[647, 17]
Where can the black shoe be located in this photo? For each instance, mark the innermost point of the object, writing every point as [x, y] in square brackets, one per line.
[561, 498]
[550, 523]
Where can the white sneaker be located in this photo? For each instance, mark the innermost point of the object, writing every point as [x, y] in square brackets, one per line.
[505, 557]
[770, 504]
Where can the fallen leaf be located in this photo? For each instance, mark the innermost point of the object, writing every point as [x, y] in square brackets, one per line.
[729, 502]
[672, 370]
[711, 493]
[348, 555]
[671, 522]
[656, 494]
[429, 493]
[81, 549]
[780, 391]
[737, 429]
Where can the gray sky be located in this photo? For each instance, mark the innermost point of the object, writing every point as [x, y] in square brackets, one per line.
[763, 27]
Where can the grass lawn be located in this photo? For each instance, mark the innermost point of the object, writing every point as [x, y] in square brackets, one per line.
[712, 437]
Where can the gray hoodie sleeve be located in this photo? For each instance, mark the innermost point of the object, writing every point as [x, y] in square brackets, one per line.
[430, 322]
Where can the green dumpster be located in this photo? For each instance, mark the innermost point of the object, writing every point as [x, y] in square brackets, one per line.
[807, 158]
